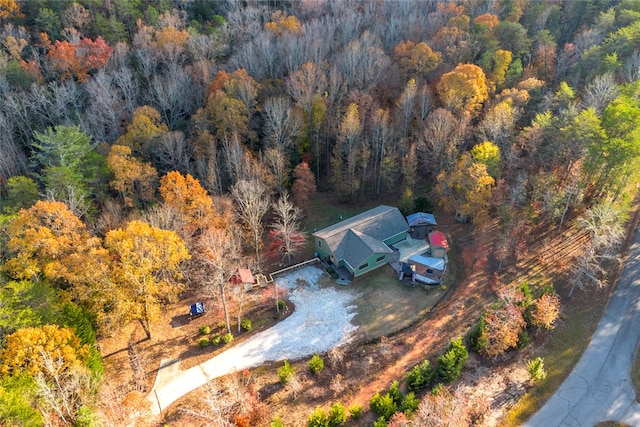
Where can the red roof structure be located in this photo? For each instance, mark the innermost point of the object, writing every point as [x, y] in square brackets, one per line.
[438, 239]
[242, 276]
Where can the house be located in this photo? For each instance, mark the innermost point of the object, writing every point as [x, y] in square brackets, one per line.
[438, 244]
[421, 224]
[243, 277]
[361, 243]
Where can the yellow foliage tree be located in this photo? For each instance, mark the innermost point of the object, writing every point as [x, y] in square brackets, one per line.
[145, 269]
[466, 190]
[133, 179]
[501, 62]
[282, 23]
[187, 196]
[464, 89]
[45, 240]
[144, 128]
[171, 39]
[9, 9]
[488, 154]
[416, 59]
[26, 349]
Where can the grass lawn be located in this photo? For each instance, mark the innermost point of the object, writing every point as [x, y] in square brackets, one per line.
[386, 306]
[322, 210]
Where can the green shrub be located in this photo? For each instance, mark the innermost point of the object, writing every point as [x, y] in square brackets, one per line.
[394, 392]
[451, 362]
[422, 204]
[204, 342]
[246, 325]
[316, 364]
[227, 338]
[221, 325]
[409, 404]
[478, 336]
[536, 369]
[281, 304]
[215, 339]
[94, 363]
[82, 321]
[523, 339]
[276, 422]
[318, 418]
[383, 405]
[420, 376]
[355, 411]
[438, 389]
[86, 417]
[380, 422]
[16, 407]
[204, 330]
[286, 372]
[337, 415]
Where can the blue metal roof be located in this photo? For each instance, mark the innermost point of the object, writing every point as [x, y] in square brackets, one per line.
[421, 218]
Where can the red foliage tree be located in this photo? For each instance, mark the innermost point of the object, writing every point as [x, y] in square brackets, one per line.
[76, 60]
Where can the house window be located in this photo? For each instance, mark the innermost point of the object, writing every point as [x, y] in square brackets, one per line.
[363, 266]
[380, 258]
[319, 244]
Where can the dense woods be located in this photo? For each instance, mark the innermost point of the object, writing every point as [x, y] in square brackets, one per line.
[147, 147]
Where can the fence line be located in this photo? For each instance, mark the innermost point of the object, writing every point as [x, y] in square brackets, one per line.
[272, 275]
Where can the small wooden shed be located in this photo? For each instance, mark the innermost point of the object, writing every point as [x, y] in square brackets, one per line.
[243, 277]
[421, 223]
[438, 244]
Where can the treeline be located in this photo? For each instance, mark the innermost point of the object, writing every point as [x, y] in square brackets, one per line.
[178, 124]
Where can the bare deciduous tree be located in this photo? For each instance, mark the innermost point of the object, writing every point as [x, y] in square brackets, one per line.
[443, 134]
[281, 124]
[171, 151]
[252, 202]
[286, 227]
[603, 224]
[62, 389]
[600, 92]
[219, 253]
[277, 162]
[218, 408]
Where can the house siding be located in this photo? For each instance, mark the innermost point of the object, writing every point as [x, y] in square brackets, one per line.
[320, 246]
[371, 264]
[396, 238]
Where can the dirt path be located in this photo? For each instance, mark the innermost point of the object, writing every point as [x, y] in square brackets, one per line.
[444, 324]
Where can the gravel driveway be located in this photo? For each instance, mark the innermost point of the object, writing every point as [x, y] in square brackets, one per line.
[321, 321]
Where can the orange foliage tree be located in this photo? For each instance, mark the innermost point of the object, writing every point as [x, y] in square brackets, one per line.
[77, 60]
[545, 311]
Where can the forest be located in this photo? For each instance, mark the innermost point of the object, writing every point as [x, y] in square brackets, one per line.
[150, 147]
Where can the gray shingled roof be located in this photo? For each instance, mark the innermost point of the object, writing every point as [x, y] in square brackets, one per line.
[356, 238]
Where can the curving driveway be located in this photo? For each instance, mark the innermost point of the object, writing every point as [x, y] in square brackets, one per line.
[321, 320]
[599, 388]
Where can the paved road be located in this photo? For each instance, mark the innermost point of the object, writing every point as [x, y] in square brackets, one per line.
[599, 388]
